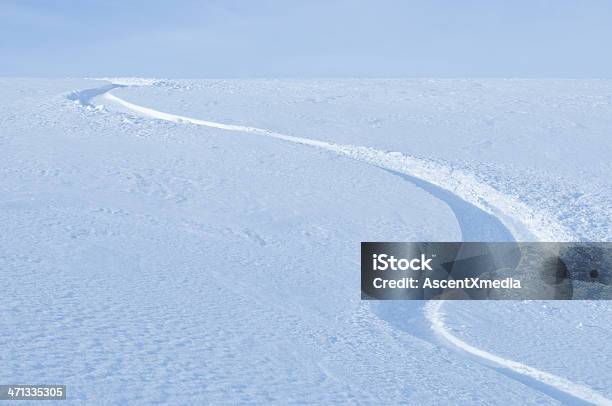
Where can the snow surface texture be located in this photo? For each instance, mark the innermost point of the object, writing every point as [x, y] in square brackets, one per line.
[535, 141]
[149, 260]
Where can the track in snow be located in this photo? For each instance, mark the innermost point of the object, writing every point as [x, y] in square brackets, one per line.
[481, 211]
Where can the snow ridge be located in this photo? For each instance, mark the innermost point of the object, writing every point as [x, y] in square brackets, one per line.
[434, 315]
[525, 223]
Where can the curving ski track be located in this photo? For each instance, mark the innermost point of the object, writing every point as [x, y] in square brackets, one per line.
[478, 208]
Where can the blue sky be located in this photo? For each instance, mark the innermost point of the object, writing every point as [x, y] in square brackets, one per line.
[299, 38]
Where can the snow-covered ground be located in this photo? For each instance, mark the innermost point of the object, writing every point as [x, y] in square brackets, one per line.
[545, 142]
[146, 257]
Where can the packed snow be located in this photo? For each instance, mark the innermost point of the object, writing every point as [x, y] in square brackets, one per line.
[198, 241]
